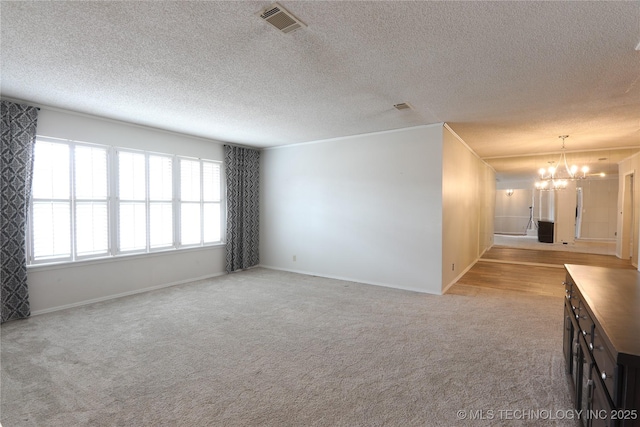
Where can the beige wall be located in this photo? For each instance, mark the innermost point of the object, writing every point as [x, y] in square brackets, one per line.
[599, 208]
[487, 199]
[626, 167]
[468, 199]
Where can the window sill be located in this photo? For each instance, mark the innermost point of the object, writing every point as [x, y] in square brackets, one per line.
[122, 257]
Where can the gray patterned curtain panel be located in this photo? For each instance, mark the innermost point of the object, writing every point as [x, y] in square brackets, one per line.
[242, 167]
[16, 167]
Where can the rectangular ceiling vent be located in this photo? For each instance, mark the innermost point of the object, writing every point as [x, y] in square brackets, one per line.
[280, 18]
[403, 106]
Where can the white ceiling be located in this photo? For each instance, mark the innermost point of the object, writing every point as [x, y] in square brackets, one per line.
[508, 77]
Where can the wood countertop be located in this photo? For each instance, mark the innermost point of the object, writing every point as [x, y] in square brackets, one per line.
[613, 299]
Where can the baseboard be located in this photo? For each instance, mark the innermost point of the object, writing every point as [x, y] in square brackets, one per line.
[124, 294]
[348, 279]
[533, 264]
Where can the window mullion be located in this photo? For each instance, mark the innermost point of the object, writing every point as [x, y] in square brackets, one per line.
[72, 199]
[147, 204]
[115, 198]
[201, 202]
[111, 205]
[177, 198]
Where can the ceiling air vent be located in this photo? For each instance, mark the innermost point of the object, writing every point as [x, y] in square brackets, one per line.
[280, 18]
[403, 106]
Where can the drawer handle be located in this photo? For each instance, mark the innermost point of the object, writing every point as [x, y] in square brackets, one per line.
[604, 375]
[591, 346]
[585, 333]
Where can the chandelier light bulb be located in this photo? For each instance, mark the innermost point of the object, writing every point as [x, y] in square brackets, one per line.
[541, 185]
[558, 177]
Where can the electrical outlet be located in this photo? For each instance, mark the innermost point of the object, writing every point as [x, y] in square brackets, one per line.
[294, 258]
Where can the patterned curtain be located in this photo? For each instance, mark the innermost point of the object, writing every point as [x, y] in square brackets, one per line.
[16, 166]
[242, 167]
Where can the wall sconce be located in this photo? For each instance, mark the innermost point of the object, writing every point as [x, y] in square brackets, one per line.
[510, 192]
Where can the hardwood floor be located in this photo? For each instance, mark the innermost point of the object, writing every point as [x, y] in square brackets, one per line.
[526, 271]
[498, 277]
[504, 254]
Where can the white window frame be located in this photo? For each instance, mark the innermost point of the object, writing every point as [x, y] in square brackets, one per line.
[74, 237]
[73, 201]
[146, 202]
[201, 202]
[113, 204]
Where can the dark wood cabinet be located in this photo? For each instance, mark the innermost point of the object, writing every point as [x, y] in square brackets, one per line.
[601, 344]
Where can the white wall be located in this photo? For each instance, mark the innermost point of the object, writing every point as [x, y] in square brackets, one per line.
[60, 286]
[512, 212]
[366, 208]
[468, 208]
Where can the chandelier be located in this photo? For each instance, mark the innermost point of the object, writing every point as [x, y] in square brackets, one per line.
[558, 175]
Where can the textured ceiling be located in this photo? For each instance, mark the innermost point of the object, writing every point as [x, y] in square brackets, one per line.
[508, 77]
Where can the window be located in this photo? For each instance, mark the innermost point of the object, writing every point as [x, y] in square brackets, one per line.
[200, 218]
[132, 226]
[70, 203]
[51, 195]
[91, 203]
[94, 201]
[211, 202]
[145, 200]
[160, 201]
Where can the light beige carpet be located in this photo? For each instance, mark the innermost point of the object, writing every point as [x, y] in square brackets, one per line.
[269, 348]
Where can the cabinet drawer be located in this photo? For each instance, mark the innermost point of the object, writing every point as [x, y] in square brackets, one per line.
[607, 368]
[585, 323]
